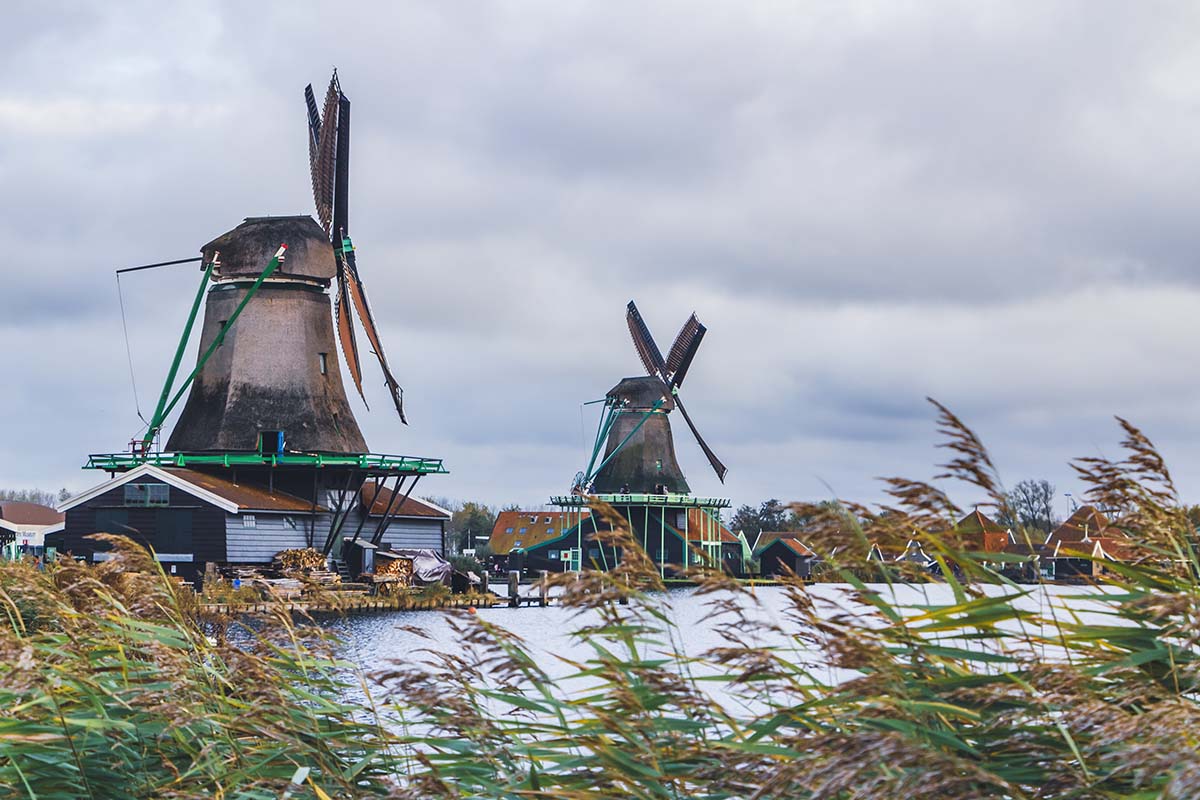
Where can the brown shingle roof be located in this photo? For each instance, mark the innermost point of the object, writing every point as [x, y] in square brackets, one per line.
[1085, 522]
[978, 522]
[377, 498]
[798, 547]
[20, 513]
[248, 497]
[1115, 548]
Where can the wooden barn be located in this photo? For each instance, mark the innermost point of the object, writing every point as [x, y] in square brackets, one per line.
[188, 518]
[781, 553]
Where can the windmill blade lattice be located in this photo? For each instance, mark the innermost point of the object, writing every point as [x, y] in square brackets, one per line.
[329, 158]
[684, 350]
[322, 142]
[672, 370]
[717, 466]
[642, 340]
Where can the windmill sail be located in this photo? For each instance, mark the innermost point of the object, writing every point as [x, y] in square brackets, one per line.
[717, 466]
[329, 161]
[345, 329]
[642, 340]
[322, 141]
[684, 350]
[359, 294]
[673, 369]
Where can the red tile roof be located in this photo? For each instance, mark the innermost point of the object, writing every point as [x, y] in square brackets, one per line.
[1086, 522]
[1114, 548]
[526, 529]
[798, 547]
[20, 513]
[696, 527]
[978, 522]
[377, 498]
[789, 538]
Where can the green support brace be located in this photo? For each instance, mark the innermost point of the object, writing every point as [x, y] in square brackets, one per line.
[628, 436]
[156, 421]
[606, 422]
[161, 416]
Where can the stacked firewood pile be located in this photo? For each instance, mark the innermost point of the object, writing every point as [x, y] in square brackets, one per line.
[399, 568]
[305, 558]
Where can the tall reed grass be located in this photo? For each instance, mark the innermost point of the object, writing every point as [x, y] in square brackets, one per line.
[113, 690]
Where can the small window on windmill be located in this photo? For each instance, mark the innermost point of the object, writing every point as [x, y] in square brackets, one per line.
[270, 441]
[323, 361]
[658, 465]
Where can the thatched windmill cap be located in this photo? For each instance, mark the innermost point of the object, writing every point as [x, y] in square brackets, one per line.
[246, 249]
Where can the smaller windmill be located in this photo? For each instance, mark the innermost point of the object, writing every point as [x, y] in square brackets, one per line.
[639, 477]
[329, 162]
[639, 448]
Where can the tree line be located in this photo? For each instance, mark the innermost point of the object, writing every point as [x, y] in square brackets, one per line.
[1029, 505]
[40, 496]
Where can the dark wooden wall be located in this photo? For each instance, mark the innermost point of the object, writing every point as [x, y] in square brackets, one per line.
[140, 523]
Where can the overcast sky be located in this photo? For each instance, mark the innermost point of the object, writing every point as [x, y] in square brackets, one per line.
[866, 203]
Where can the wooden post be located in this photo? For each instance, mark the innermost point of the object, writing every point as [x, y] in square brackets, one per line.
[514, 586]
[485, 587]
[545, 587]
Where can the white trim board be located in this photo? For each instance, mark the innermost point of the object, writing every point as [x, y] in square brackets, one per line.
[149, 470]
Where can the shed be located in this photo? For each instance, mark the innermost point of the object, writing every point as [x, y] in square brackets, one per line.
[781, 553]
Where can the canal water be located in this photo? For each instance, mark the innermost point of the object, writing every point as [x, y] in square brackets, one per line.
[374, 641]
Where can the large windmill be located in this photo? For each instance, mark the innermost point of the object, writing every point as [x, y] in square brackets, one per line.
[266, 410]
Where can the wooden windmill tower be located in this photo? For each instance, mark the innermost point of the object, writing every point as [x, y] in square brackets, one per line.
[638, 472]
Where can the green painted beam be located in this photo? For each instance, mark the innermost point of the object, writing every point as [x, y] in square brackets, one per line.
[415, 465]
[160, 413]
[678, 500]
[272, 265]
